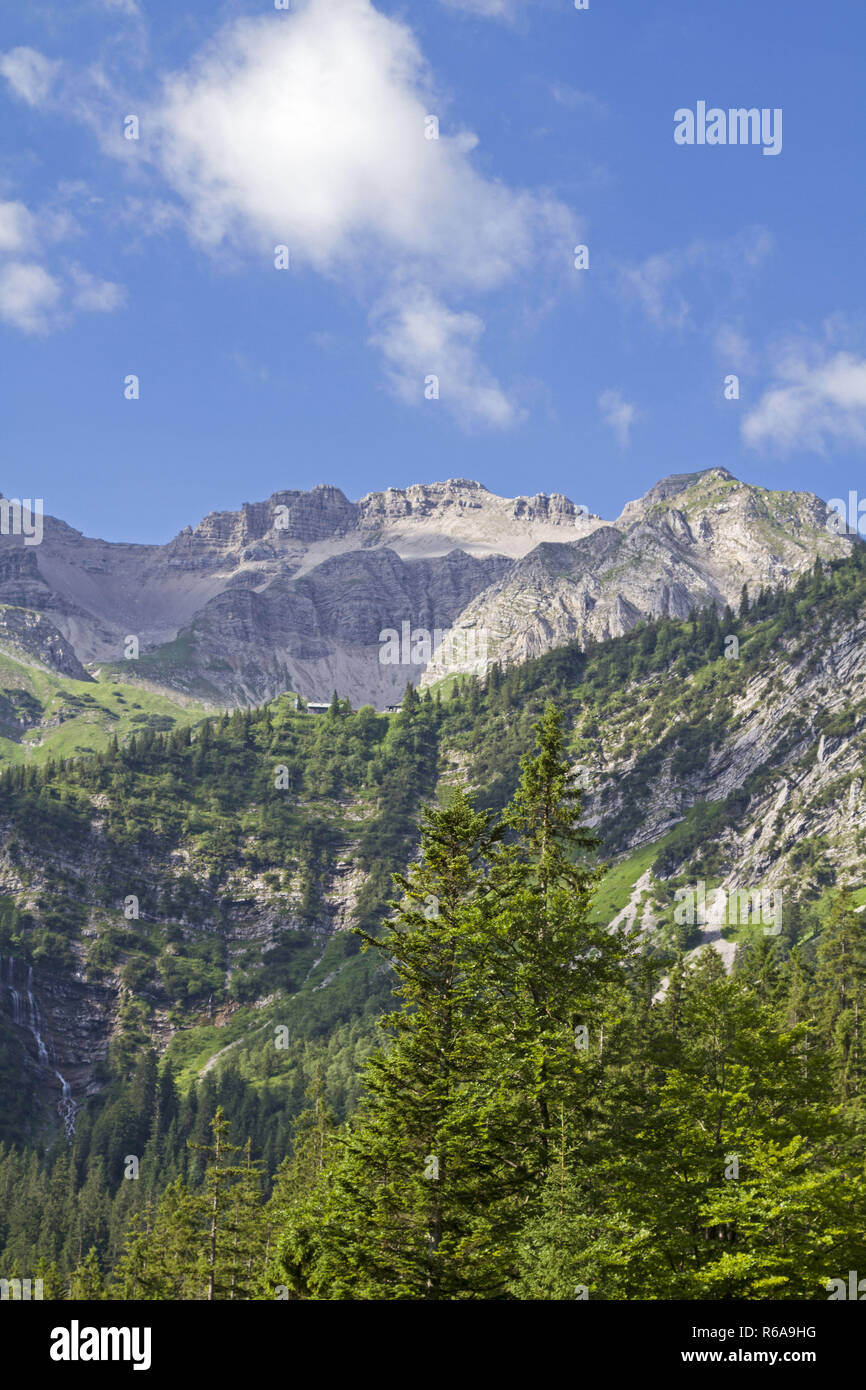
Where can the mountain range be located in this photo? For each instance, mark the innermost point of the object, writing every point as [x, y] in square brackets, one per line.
[295, 593]
[723, 748]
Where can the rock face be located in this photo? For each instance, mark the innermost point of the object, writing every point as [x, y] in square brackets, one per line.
[782, 756]
[321, 631]
[295, 593]
[64, 1027]
[694, 538]
[29, 636]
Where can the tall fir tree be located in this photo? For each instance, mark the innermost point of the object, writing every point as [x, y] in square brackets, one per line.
[840, 997]
[554, 964]
[415, 1205]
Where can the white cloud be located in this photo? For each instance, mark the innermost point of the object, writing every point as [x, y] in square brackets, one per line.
[655, 285]
[618, 414]
[573, 99]
[252, 371]
[311, 133]
[28, 295]
[93, 295]
[16, 226]
[33, 298]
[652, 285]
[733, 347]
[421, 337]
[147, 217]
[816, 400]
[325, 340]
[29, 73]
[488, 9]
[314, 133]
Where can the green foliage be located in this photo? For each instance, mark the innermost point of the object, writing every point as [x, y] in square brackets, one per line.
[559, 1166]
[498, 966]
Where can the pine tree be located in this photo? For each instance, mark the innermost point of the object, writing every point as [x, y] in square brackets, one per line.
[166, 1103]
[163, 1257]
[86, 1282]
[128, 1279]
[725, 1171]
[290, 1207]
[52, 1280]
[232, 1203]
[415, 1205]
[840, 994]
[553, 962]
[502, 976]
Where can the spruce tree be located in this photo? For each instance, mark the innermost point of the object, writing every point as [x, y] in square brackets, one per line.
[86, 1282]
[502, 977]
[231, 1201]
[416, 1204]
[554, 963]
[292, 1203]
[724, 1173]
[840, 994]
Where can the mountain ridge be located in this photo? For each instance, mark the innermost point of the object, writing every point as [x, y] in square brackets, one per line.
[249, 603]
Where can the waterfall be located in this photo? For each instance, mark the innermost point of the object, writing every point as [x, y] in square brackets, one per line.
[34, 1019]
[31, 1019]
[66, 1106]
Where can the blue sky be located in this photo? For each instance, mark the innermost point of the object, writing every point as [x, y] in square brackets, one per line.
[413, 257]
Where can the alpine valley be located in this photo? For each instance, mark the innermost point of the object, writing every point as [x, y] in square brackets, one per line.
[192, 855]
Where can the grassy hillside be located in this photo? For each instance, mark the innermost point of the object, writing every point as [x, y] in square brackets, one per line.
[45, 716]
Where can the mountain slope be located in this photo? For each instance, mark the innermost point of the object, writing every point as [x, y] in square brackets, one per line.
[252, 842]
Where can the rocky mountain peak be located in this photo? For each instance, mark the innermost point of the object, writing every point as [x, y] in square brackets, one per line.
[673, 486]
[292, 592]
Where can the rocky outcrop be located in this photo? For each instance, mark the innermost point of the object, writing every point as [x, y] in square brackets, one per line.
[29, 636]
[805, 783]
[693, 539]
